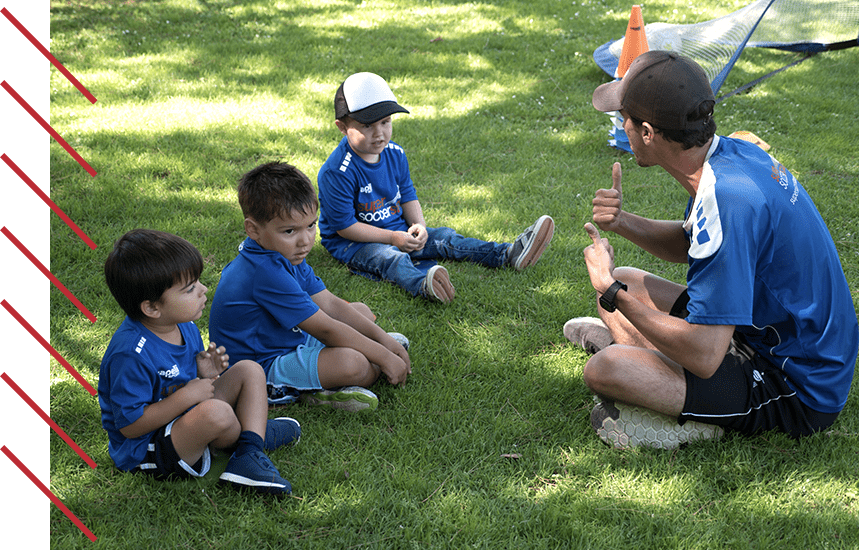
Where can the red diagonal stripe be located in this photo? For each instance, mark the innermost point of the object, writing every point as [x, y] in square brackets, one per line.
[49, 55]
[54, 353]
[54, 426]
[53, 206]
[48, 274]
[69, 149]
[49, 494]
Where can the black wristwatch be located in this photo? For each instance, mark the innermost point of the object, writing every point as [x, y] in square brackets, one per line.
[607, 299]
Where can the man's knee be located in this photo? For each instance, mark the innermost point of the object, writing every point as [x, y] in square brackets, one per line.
[591, 375]
[600, 370]
[625, 274]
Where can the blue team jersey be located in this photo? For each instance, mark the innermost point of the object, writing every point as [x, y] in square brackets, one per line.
[352, 190]
[139, 369]
[761, 258]
[260, 301]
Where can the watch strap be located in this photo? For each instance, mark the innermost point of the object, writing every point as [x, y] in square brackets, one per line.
[607, 299]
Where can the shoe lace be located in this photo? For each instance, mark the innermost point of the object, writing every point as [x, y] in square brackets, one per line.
[265, 462]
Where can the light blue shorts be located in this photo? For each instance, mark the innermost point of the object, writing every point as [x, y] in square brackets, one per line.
[299, 369]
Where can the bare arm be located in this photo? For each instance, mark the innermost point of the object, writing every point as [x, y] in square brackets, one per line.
[664, 239]
[407, 241]
[365, 233]
[700, 349]
[413, 213]
[338, 324]
[161, 413]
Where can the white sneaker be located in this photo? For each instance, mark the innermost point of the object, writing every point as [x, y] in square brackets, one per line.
[589, 332]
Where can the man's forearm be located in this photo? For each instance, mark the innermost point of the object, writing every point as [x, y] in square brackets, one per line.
[664, 239]
[699, 349]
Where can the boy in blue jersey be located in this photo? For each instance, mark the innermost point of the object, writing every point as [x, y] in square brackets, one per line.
[166, 399]
[371, 218]
[764, 334]
[270, 306]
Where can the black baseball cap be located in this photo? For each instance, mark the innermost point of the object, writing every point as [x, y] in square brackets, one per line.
[659, 87]
[365, 97]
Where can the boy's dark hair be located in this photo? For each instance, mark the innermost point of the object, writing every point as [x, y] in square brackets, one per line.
[144, 263]
[275, 189]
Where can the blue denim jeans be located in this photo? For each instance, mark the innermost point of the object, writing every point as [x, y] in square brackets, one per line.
[407, 269]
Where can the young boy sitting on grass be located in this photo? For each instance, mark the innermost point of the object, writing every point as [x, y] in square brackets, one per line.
[165, 398]
[371, 218]
[270, 306]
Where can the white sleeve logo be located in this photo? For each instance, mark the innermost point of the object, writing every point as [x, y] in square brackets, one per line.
[705, 224]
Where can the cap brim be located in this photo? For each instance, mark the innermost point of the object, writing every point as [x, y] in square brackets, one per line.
[608, 97]
[377, 112]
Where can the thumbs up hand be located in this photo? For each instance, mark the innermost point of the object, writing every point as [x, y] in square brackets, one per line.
[599, 258]
[608, 203]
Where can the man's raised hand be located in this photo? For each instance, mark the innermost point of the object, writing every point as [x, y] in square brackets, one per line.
[608, 203]
[599, 258]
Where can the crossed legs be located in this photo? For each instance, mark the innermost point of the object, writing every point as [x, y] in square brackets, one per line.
[632, 371]
[240, 404]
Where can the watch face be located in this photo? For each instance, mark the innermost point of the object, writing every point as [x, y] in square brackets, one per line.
[606, 305]
[607, 299]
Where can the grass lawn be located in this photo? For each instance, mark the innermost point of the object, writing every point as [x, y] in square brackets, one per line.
[488, 445]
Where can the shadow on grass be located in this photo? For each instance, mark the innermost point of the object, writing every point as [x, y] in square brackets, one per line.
[492, 374]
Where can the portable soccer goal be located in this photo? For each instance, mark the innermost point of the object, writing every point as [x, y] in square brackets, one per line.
[807, 27]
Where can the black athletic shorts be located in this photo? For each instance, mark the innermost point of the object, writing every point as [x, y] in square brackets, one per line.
[747, 393]
[162, 460]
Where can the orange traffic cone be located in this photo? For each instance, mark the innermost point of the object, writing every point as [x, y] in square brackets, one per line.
[634, 42]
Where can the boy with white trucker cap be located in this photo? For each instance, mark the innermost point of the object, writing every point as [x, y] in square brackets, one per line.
[370, 216]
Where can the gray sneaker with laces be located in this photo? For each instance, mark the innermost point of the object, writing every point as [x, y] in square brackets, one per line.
[529, 246]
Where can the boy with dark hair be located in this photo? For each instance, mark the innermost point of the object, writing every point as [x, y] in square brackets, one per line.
[164, 398]
[371, 218]
[270, 306]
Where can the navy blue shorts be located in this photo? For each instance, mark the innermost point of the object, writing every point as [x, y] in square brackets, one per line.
[747, 394]
[162, 460]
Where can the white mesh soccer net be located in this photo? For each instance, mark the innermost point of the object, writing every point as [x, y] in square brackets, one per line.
[796, 25]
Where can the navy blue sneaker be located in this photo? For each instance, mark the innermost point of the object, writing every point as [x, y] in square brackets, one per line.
[254, 470]
[281, 431]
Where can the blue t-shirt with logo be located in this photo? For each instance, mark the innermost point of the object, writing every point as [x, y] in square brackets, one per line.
[260, 301]
[352, 190]
[761, 258]
[139, 369]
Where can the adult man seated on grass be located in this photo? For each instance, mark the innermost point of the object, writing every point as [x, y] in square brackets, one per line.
[764, 336]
